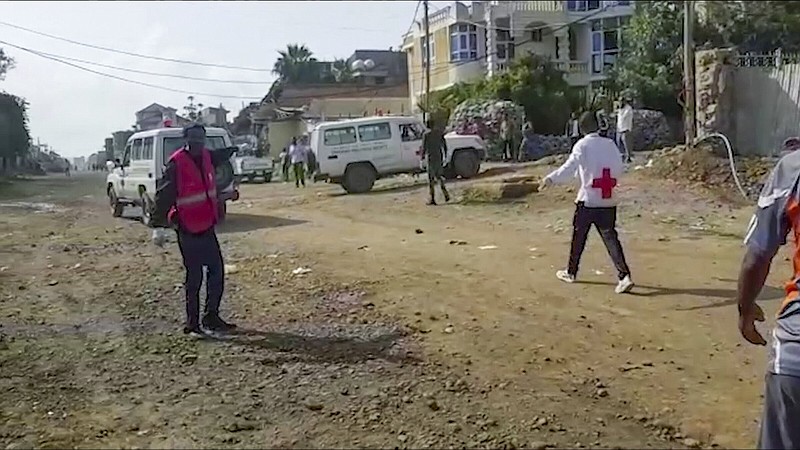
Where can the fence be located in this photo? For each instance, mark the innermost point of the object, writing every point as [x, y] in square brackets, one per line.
[766, 102]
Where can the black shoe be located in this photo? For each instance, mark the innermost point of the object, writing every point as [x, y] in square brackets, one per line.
[447, 199]
[431, 203]
[193, 331]
[215, 323]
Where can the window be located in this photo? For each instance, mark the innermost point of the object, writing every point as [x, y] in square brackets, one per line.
[380, 80]
[136, 150]
[606, 40]
[410, 132]
[537, 35]
[463, 42]
[126, 157]
[147, 149]
[505, 50]
[591, 5]
[171, 144]
[505, 40]
[424, 44]
[339, 136]
[374, 132]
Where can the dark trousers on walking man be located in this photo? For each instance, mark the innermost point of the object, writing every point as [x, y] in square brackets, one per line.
[299, 174]
[202, 251]
[436, 175]
[605, 221]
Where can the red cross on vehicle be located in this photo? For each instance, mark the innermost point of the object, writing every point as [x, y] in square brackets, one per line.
[605, 183]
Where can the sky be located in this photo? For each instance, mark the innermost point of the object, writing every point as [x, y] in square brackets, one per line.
[74, 111]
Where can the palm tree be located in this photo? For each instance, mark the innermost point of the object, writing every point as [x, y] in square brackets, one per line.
[296, 64]
[342, 71]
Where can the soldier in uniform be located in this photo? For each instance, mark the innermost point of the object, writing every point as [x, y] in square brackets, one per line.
[434, 148]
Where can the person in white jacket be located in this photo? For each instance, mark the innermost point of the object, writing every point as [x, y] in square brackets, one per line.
[598, 163]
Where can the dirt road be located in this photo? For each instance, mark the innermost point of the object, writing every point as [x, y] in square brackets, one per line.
[415, 327]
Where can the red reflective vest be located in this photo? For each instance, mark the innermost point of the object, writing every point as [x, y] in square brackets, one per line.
[196, 203]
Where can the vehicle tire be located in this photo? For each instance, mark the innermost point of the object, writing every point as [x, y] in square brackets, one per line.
[222, 212]
[358, 179]
[450, 172]
[267, 177]
[117, 208]
[147, 210]
[466, 164]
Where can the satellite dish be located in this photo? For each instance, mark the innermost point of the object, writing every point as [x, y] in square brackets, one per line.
[357, 65]
[369, 64]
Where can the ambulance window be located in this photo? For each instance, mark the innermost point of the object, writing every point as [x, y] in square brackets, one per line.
[340, 136]
[410, 132]
[136, 150]
[374, 132]
[147, 150]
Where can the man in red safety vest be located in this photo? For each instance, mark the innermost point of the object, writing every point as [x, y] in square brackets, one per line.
[186, 199]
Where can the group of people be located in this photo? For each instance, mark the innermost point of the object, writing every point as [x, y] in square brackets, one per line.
[186, 201]
[623, 136]
[298, 157]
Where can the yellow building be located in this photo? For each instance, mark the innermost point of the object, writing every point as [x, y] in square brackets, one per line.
[581, 36]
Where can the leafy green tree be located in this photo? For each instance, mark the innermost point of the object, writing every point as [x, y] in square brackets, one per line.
[342, 72]
[297, 64]
[14, 135]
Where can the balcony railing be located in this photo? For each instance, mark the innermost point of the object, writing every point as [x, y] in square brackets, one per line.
[537, 6]
[571, 67]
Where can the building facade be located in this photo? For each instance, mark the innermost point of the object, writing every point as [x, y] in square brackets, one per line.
[470, 42]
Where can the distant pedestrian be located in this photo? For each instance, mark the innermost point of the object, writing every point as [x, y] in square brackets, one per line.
[283, 160]
[299, 158]
[625, 128]
[596, 160]
[312, 159]
[434, 149]
[505, 137]
[572, 130]
[67, 167]
[531, 146]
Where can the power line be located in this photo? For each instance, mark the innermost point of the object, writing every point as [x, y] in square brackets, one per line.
[138, 55]
[127, 80]
[158, 74]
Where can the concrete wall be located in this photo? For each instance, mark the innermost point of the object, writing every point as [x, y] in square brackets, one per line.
[754, 100]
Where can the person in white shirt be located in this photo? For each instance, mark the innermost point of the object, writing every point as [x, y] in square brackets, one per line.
[598, 163]
[299, 158]
[625, 128]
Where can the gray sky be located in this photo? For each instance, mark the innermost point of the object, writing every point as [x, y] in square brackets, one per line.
[74, 111]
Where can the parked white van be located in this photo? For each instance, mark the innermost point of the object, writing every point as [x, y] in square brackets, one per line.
[357, 152]
[132, 180]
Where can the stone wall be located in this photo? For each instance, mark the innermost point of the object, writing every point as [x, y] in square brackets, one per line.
[714, 91]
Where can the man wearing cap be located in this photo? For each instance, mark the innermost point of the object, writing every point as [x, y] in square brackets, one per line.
[186, 199]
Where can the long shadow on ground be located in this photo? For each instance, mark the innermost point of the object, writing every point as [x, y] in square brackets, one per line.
[321, 349]
[240, 223]
[768, 293]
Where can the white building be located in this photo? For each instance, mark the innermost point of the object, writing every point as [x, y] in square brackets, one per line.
[581, 36]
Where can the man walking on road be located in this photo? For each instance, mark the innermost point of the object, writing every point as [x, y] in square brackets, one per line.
[299, 157]
[777, 215]
[597, 161]
[186, 199]
[434, 148]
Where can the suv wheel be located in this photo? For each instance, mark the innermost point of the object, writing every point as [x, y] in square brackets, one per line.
[147, 210]
[358, 179]
[117, 208]
[466, 164]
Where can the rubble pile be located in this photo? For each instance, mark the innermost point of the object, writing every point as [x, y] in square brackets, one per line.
[702, 166]
[650, 129]
[483, 118]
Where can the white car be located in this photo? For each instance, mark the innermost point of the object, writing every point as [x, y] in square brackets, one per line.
[248, 166]
[132, 180]
[357, 152]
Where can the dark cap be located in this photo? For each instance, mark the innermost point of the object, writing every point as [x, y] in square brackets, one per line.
[193, 126]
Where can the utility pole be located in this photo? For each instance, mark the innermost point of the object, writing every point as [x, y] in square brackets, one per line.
[425, 112]
[688, 72]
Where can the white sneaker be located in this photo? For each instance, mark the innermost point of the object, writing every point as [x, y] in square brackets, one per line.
[624, 286]
[565, 276]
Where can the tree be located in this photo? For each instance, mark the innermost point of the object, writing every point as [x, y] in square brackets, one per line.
[192, 109]
[532, 82]
[751, 26]
[342, 72]
[296, 64]
[6, 64]
[14, 135]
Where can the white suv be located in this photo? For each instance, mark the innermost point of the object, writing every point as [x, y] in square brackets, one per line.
[357, 152]
[132, 180]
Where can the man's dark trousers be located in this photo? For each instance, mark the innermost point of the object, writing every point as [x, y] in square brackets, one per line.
[605, 220]
[199, 251]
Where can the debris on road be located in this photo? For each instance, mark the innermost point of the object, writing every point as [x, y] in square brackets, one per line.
[487, 247]
[301, 271]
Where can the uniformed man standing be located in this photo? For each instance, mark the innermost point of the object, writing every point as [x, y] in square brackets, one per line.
[434, 148]
[186, 199]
